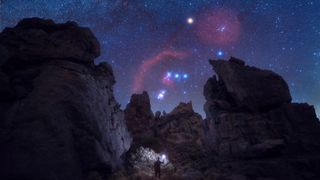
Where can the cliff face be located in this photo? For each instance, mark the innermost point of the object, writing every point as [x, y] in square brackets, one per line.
[59, 118]
[253, 128]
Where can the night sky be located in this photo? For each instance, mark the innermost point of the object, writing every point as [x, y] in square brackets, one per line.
[163, 46]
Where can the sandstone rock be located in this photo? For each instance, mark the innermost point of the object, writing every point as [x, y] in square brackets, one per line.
[181, 125]
[182, 109]
[253, 129]
[59, 118]
[247, 87]
[36, 40]
[178, 135]
[138, 114]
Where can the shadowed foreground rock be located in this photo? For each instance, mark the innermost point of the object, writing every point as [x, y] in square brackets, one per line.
[59, 118]
[254, 130]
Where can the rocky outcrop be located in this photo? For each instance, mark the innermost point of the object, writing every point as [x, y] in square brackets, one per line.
[246, 88]
[181, 134]
[254, 130]
[138, 114]
[181, 125]
[178, 135]
[59, 118]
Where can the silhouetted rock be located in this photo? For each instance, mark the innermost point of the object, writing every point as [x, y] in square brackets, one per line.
[178, 135]
[181, 125]
[181, 134]
[59, 118]
[138, 114]
[35, 41]
[252, 128]
[247, 88]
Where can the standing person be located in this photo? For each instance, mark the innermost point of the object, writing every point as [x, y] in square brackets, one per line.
[157, 168]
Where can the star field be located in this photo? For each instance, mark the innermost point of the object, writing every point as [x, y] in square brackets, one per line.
[164, 46]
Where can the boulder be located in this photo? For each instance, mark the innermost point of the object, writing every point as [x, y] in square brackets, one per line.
[247, 87]
[253, 129]
[59, 117]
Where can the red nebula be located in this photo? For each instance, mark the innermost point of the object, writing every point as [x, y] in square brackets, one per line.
[167, 81]
[148, 64]
[218, 26]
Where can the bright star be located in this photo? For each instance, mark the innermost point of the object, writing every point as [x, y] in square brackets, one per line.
[221, 28]
[190, 20]
[185, 76]
[161, 95]
[169, 74]
[176, 75]
[220, 53]
[316, 54]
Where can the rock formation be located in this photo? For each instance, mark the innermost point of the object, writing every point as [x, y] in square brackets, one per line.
[59, 118]
[178, 135]
[138, 114]
[181, 125]
[181, 134]
[254, 130]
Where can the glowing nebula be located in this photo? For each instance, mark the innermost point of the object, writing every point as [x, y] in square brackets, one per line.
[148, 64]
[166, 80]
[161, 94]
[218, 26]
